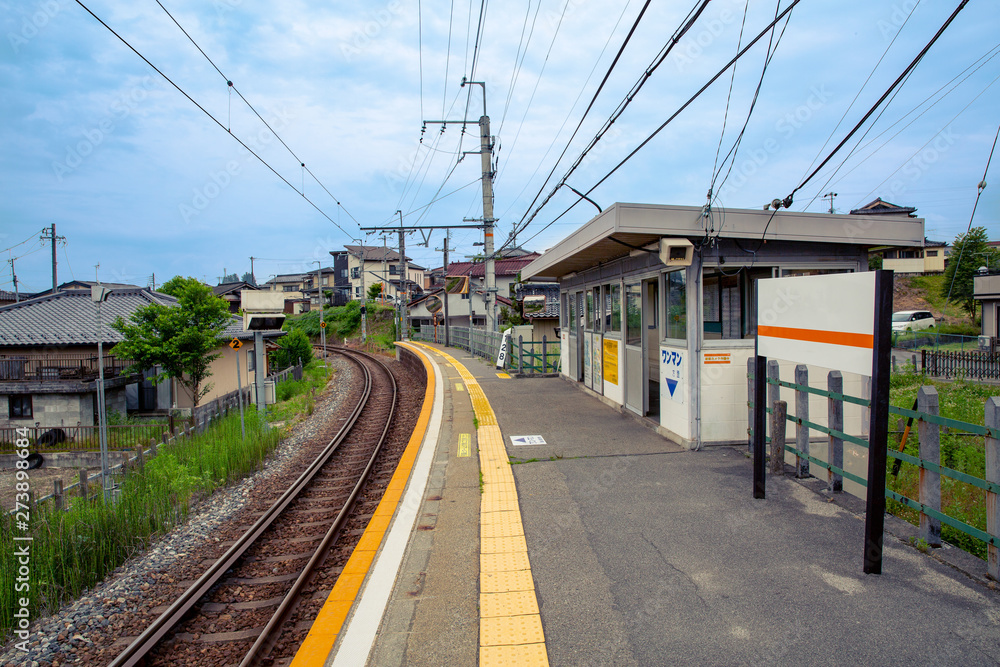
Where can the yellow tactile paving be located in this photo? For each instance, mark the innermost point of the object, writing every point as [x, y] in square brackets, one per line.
[508, 603]
[504, 562]
[511, 580]
[522, 655]
[510, 627]
[508, 630]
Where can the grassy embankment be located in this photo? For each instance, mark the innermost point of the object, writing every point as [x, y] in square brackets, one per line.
[344, 323]
[73, 550]
[965, 402]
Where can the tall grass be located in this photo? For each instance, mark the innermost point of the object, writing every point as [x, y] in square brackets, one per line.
[963, 401]
[73, 550]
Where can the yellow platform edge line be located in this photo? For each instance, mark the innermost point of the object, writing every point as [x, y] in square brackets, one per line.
[516, 642]
[316, 647]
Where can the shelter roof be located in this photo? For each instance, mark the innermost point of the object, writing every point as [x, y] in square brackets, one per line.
[622, 228]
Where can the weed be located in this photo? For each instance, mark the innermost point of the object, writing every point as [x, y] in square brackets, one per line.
[475, 422]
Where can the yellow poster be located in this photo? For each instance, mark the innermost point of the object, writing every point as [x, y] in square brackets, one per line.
[611, 360]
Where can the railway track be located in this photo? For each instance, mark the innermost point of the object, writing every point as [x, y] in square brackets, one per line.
[238, 611]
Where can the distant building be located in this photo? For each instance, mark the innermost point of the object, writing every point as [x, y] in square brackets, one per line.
[369, 265]
[230, 293]
[929, 257]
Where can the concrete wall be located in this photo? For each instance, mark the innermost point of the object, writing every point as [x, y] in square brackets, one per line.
[907, 265]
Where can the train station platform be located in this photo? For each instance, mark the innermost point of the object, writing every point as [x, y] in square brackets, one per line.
[541, 526]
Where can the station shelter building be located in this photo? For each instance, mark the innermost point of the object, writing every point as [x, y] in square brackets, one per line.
[659, 305]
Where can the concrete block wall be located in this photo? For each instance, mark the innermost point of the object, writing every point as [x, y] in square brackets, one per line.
[51, 410]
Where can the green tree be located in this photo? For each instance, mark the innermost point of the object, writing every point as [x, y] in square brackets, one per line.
[293, 347]
[374, 291]
[968, 253]
[180, 339]
[174, 286]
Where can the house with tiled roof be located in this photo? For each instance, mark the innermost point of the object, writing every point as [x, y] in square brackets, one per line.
[928, 257]
[49, 360]
[465, 285]
[230, 293]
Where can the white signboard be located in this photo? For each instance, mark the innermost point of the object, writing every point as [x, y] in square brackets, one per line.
[828, 320]
[527, 440]
[502, 354]
[672, 374]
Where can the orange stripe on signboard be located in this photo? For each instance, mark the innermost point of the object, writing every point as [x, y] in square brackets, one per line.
[819, 336]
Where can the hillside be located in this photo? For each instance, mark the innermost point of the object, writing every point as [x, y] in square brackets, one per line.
[924, 293]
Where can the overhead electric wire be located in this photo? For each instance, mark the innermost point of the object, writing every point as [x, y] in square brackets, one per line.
[214, 119]
[562, 126]
[979, 193]
[660, 58]
[233, 87]
[907, 160]
[447, 59]
[33, 236]
[995, 49]
[659, 129]
[541, 73]
[420, 53]
[729, 95]
[739, 139]
[860, 90]
[881, 99]
[593, 99]
[519, 60]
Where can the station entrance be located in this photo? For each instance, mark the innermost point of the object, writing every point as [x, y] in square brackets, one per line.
[642, 336]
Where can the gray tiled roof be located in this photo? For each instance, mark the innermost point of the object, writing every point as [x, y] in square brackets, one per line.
[70, 318]
[374, 253]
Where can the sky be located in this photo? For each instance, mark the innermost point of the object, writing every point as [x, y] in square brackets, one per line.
[141, 181]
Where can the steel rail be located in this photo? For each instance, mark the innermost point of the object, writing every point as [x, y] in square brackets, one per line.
[269, 636]
[151, 636]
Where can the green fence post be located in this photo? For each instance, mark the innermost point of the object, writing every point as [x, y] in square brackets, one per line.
[930, 450]
[545, 354]
[992, 421]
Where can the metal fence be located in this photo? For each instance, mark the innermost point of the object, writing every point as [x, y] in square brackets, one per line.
[945, 364]
[482, 343]
[914, 340]
[930, 424]
[534, 357]
[80, 438]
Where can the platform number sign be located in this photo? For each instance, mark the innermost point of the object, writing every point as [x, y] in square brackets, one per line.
[502, 354]
[235, 344]
[672, 373]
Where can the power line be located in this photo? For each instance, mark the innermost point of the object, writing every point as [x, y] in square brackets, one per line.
[979, 193]
[665, 123]
[214, 119]
[660, 58]
[881, 99]
[600, 87]
[995, 49]
[860, 90]
[233, 87]
[753, 103]
[729, 95]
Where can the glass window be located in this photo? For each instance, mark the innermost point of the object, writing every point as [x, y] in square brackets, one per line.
[730, 303]
[633, 314]
[590, 311]
[676, 302]
[20, 406]
[572, 313]
[613, 308]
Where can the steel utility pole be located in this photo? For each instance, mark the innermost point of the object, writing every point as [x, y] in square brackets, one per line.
[252, 278]
[831, 195]
[405, 290]
[447, 331]
[13, 274]
[49, 234]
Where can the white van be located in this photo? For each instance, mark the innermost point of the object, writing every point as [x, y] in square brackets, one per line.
[912, 320]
